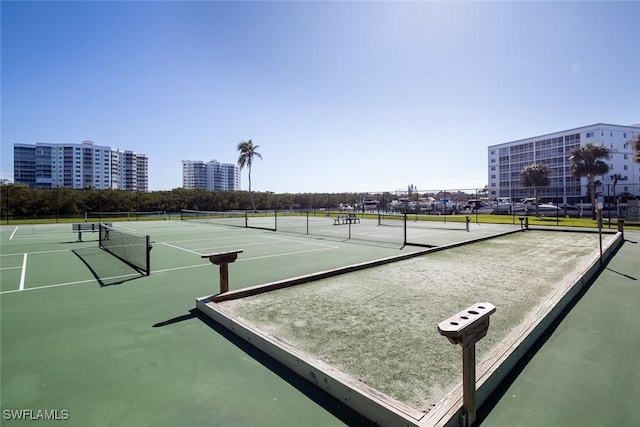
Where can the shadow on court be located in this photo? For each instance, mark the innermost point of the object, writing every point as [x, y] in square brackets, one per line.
[107, 269]
[321, 398]
[628, 276]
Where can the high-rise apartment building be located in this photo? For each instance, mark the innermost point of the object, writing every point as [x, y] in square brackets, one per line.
[45, 165]
[212, 175]
[506, 161]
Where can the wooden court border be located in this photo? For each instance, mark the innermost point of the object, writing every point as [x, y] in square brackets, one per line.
[377, 406]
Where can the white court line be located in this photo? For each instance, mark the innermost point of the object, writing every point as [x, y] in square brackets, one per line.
[14, 232]
[52, 286]
[167, 269]
[182, 249]
[272, 240]
[194, 251]
[263, 243]
[9, 268]
[50, 252]
[24, 272]
[244, 259]
[282, 239]
[43, 236]
[210, 239]
[289, 253]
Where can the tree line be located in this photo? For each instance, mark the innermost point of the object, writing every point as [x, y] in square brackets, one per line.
[21, 201]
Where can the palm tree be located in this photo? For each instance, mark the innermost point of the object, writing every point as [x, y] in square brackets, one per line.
[484, 191]
[587, 161]
[636, 148]
[615, 178]
[536, 176]
[247, 153]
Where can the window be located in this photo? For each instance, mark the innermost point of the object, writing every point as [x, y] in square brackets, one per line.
[625, 156]
[626, 167]
[589, 134]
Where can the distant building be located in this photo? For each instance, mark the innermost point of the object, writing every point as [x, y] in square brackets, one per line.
[45, 165]
[212, 175]
[506, 161]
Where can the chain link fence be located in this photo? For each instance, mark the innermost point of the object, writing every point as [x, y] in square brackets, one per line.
[19, 203]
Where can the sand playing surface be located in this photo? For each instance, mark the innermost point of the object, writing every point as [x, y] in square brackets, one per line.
[380, 325]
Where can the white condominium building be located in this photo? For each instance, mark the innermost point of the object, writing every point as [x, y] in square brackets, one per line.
[85, 165]
[212, 175]
[506, 161]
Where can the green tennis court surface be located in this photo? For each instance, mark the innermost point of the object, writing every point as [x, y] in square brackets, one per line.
[85, 333]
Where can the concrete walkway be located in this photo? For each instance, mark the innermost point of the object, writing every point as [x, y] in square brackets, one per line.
[586, 372]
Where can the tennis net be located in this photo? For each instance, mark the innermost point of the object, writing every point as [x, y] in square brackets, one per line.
[416, 221]
[133, 249]
[264, 220]
[125, 216]
[404, 229]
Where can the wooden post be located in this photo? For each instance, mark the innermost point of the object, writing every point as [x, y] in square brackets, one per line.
[469, 384]
[223, 259]
[224, 278]
[621, 226]
[467, 328]
[600, 229]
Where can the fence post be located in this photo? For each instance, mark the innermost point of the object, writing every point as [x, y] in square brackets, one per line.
[405, 227]
[7, 196]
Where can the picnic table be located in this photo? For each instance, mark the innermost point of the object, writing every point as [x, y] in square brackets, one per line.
[346, 219]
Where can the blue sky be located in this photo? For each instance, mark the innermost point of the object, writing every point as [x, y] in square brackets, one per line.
[339, 96]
